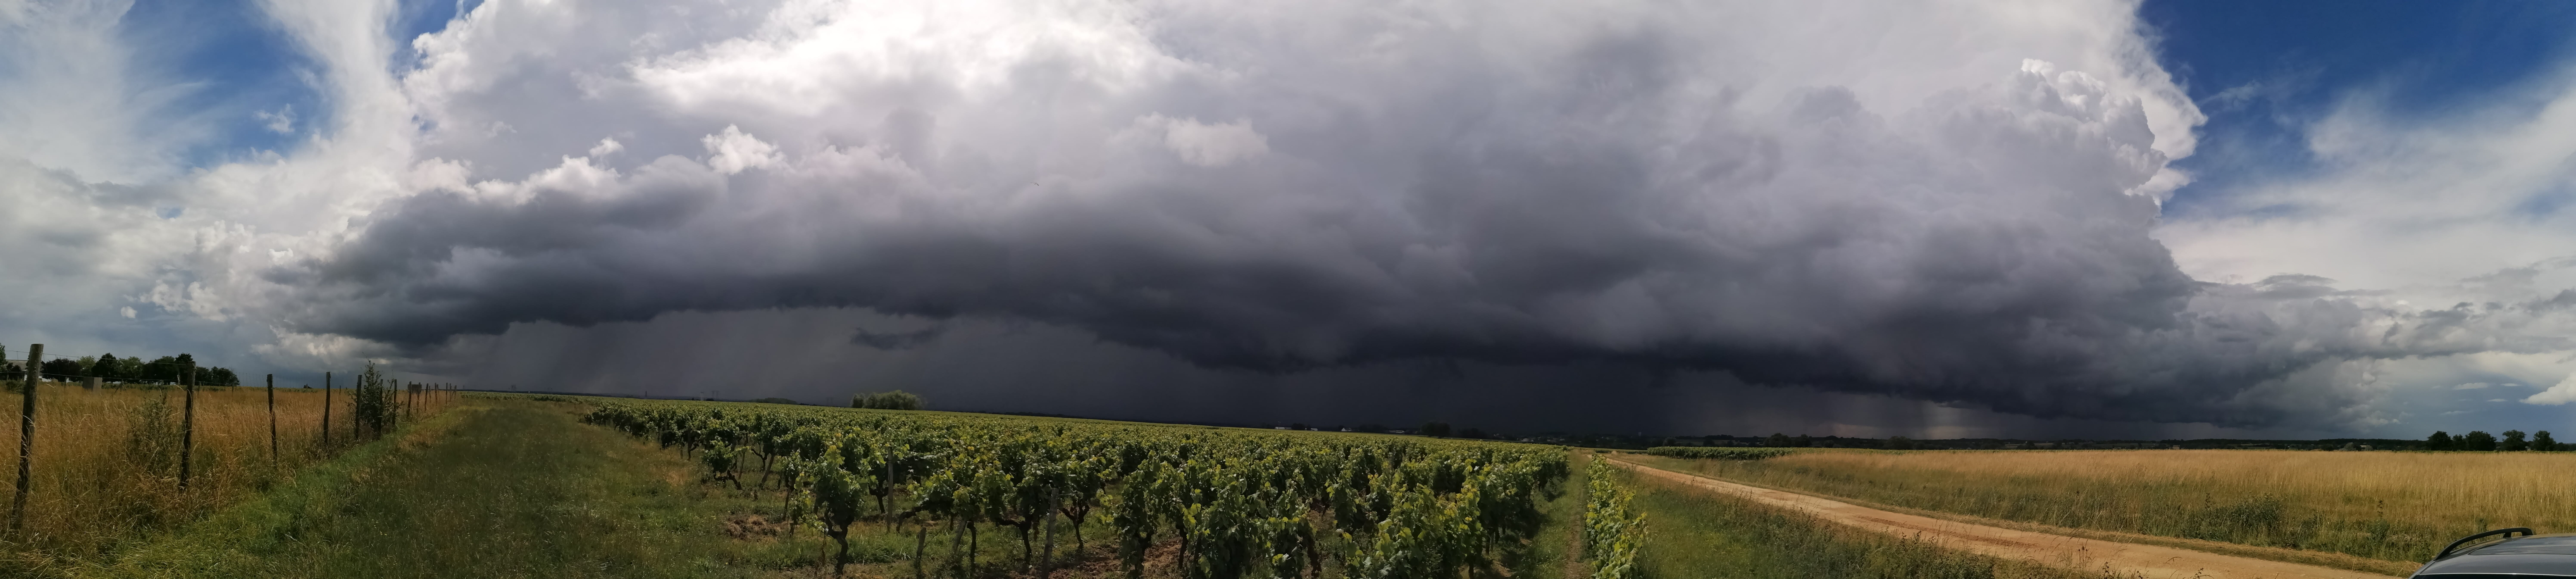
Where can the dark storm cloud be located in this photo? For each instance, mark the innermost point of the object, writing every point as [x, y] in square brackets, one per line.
[1593, 195]
[898, 340]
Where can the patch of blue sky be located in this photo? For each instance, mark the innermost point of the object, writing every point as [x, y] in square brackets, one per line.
[2263, 71]
[238, 75]
[252, 87]
[417, 17]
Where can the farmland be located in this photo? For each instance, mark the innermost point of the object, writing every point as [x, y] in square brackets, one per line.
[522, 486]
[549, 486]
[2388, 506]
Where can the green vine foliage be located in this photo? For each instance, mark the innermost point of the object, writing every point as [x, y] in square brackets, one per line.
[1237, 503]
[1613, 529]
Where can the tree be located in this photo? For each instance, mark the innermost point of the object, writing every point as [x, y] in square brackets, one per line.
[107, 367]
[1802, 441]
[218, 376]
[1437, 429]
[2440, 441]
[62, 369]
[1777, 440]
[2542, 441]
[895, 400]
[372, 402]
[2477, 440]
[1472, 433]
[2513, 441]
[1900, 443]
[164, 369]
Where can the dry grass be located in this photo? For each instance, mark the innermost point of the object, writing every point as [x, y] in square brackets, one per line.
[105, 468]
[2397, 506]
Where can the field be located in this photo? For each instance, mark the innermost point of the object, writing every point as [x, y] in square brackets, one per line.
[2391, 506]
[517, 486]
[539, 486]
[105, 466]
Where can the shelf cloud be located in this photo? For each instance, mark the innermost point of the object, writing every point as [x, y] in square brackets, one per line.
[1953, 203]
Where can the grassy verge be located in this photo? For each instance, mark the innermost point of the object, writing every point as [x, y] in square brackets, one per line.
[106, 464]
[509, 490]
[1695, 533]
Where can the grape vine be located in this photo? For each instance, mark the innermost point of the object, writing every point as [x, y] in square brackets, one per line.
[1235, 503]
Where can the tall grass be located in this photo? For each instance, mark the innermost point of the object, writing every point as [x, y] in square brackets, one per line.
[106, 463]
[2395, 506]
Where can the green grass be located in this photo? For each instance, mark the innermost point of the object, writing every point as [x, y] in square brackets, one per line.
[1696, 534]
[512, 490]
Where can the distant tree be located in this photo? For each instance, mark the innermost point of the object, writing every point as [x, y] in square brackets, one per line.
[1776, 440]
[1372, 427]
[1296, 426]
[219, 376]
[2477, 440]
[2440, 441]
[1473, 433]
[165, 368]
[2513, 441]
[62, 369]
[2541, 441]
[895, 400]
[1802, 441]
[114, 368]
[1900, 443]
[1437, 429]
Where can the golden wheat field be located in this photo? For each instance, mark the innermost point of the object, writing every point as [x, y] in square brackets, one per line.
[105, 462]
[2398, 506]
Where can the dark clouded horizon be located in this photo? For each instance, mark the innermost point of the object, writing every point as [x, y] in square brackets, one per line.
[1538, 215]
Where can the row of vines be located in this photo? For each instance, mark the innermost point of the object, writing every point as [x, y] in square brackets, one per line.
[1234, 503]
[1614, 530]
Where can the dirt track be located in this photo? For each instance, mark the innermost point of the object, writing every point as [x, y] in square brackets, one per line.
[2153, 562]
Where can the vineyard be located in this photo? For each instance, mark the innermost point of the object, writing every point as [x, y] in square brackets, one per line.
[1212, 503]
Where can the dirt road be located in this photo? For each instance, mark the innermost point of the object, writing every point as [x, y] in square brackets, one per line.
[2126, 559]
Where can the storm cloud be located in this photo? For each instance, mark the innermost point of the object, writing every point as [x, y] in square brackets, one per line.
[1957, 210]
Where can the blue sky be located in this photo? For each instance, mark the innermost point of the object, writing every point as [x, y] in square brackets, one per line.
[2262, 70]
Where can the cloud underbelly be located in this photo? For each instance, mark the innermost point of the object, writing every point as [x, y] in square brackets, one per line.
[1347, 185]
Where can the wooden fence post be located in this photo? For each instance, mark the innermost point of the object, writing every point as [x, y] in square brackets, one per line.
[188, 426]
[26, 436]
[272, 421]
[326, 411]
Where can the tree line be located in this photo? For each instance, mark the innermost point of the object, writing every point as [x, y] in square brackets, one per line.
[2479, 440]
[135, 368]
